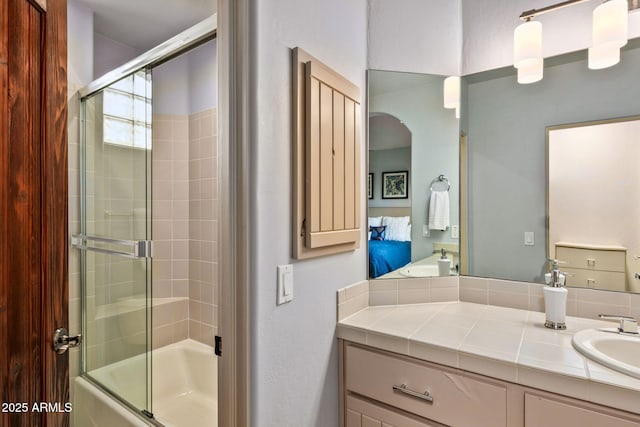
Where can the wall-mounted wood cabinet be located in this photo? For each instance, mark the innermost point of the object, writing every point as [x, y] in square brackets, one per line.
[326, 157]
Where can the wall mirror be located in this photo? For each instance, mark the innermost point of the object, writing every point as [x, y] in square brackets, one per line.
[521, 195]
[413, 177]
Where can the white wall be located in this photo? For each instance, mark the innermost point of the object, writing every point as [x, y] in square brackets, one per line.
[171, 88]
[79, 45]
[488, 30]
[421, 36]
[203, 75]
[187, 83]
[110, 54]
[294, 372]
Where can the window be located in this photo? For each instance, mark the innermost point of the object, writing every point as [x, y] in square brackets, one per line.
[127, 112]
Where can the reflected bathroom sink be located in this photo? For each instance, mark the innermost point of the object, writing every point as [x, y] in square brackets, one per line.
[419, 271]
[616, 351]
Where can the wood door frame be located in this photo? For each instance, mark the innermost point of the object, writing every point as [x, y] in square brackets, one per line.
[47, 380]
[234, 109]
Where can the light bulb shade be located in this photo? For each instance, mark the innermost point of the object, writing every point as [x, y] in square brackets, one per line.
[610, 24]
[452, 92]
[458, 112]
[603, 56]
[527, 44]
[531, 73]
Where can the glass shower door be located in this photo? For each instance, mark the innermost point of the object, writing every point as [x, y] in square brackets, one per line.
[115, 239]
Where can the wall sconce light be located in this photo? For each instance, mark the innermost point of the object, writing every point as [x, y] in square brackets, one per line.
[452, 94]
[610, 33]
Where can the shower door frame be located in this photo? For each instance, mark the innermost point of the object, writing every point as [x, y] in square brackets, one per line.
[232, 33]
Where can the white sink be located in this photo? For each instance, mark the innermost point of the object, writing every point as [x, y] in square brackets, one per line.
[616, 351]
[420, 270]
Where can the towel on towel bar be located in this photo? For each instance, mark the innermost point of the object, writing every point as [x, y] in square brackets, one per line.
[439, 210]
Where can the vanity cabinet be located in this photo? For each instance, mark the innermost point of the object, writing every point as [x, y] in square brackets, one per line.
[431, 392]
[426, 394]
[542, 412]
[596, 267]
[361, 413]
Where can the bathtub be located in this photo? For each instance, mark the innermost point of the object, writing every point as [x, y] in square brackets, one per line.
[184, 389]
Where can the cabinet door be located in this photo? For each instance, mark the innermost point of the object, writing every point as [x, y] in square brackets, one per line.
[542, 412]
[456, 399]
[361, 413]
[608, 280]
[592, 259]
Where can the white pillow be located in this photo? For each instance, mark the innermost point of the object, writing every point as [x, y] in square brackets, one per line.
[396, 227]
[375, 221]
[407, 238]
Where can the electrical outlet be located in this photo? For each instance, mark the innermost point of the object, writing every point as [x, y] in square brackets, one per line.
[455, 232]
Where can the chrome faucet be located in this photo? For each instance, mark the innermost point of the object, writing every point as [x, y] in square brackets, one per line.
[556, 275]
[628, 325]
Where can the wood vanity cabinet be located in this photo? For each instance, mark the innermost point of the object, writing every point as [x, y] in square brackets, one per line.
[453, 397]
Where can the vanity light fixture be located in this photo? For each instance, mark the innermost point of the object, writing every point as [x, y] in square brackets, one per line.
[452, 94]
[610, 33]
[527, 51]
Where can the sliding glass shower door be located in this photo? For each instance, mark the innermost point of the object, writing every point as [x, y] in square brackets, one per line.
[115, 240]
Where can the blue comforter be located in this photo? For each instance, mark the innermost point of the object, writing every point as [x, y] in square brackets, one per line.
[387, 255]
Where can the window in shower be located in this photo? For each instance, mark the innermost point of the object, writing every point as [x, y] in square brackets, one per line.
[127, 112]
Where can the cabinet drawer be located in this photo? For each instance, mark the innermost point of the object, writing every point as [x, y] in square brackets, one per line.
[608, 280]
[541, 412]
[361, 413]
[457, 399]
[592, 259]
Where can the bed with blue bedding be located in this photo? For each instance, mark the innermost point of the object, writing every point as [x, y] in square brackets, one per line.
[387, 255]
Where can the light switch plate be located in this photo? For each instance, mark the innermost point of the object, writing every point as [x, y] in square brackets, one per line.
[528, 238]
[285, 284]
[455, 232]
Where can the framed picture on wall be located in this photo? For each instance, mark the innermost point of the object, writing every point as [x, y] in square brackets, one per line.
[370, 186]
[395, 185]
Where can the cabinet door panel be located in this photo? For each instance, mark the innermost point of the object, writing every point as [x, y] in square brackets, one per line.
[361, 413]
[609, 280]
[591, 259]
[458, 399]
[541, 412]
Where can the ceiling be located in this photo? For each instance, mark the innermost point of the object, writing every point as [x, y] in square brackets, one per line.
[144, 24]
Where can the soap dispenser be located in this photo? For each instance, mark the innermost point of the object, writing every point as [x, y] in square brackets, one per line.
[555, 298]
[444, 264]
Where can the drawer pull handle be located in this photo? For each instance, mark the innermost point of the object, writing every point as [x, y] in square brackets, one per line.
[403, 389]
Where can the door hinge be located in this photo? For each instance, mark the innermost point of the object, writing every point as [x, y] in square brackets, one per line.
[218, 347]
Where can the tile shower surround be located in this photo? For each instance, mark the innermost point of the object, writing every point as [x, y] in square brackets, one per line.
[586, 303]
[183, 200]
[185, 224]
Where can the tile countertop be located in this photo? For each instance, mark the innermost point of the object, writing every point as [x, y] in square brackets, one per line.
[504, 343]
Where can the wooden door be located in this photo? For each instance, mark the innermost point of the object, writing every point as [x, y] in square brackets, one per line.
[33, 212]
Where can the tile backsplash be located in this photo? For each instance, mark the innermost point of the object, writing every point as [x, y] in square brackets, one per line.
[586, 303]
